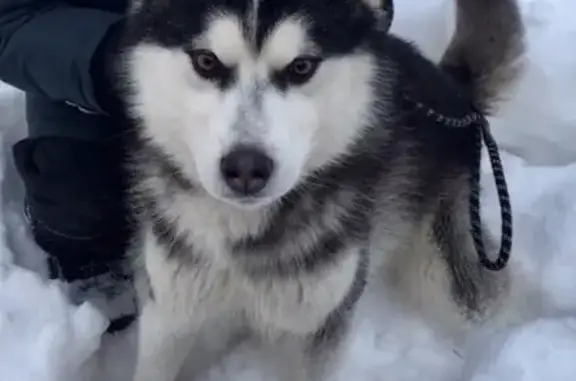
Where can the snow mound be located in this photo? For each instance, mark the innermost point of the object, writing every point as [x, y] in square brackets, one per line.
[38, 326]
[544, 349]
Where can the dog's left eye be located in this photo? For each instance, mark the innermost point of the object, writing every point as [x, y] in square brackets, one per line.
[302, 69]
[207, 65]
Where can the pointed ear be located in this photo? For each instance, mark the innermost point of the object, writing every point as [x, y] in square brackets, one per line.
[384, 10]
[138, 5]
[134, 6]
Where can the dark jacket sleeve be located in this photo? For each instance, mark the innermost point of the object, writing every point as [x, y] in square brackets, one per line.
[47, 47]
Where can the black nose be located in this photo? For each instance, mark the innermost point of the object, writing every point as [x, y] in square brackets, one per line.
[246, 170]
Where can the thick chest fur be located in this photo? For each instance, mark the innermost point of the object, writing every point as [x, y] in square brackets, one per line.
[197, 262]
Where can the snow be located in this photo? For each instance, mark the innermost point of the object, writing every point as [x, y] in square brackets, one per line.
[547, 345]
[44, 338]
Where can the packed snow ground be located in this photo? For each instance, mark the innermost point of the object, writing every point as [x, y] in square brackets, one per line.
[43, 338]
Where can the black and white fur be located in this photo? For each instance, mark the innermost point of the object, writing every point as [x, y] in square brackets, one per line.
[339, 174]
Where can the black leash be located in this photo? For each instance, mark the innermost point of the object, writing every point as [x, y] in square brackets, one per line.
[483, 136]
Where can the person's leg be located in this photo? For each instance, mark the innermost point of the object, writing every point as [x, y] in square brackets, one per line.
[71, 165]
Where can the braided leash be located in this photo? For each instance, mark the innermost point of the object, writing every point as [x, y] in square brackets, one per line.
[483, 135]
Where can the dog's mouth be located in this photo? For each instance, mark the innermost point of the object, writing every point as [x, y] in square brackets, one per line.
[248, 202]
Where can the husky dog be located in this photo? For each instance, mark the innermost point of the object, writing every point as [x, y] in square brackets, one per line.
[287, 147]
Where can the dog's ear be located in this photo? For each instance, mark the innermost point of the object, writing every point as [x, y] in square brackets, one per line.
[134, 5]
[384, 11]
[138, 5]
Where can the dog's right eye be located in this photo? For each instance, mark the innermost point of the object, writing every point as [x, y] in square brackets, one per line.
[302, 69]
[207, 65]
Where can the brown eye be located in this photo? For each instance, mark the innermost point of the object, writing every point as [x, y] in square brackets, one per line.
[207, 65]
[302, 69]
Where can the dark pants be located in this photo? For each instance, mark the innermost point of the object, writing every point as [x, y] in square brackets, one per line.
[71, 165]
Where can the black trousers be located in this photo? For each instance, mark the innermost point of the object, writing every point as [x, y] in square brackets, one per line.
[72, 168]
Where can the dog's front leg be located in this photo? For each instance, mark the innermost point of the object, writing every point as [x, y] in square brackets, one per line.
[166, 337]
[310, 358]
[178, 301]
[314, 356]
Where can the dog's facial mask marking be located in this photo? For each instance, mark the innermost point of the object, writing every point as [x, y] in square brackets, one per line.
[259, 87]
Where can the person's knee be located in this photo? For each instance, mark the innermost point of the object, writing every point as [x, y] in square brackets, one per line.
[74, 188]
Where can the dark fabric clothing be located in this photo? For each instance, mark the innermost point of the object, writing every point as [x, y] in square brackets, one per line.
[75, 200]
[55, 119]
[71, 166]
[59, 53]
[79, 182]
[48, 47]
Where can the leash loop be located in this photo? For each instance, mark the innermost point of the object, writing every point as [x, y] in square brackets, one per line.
[483, 136]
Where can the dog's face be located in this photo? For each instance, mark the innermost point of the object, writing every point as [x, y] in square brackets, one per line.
[250, 96]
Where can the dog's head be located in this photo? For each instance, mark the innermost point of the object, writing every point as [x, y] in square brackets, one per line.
[250, 96]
